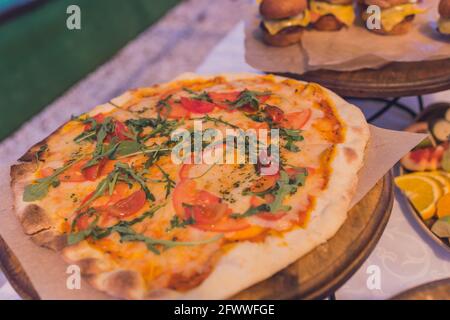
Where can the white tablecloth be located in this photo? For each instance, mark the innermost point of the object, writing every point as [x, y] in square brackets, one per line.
[404, 256]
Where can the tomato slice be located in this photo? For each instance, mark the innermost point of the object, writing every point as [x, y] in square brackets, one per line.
[176, 111]
[274, 113]
[197, 106]
[207, 214]
[77, 173]
[296, 120]
[184, 171]
[205, 198]
[184, 192]
[93, 172]
[206, 208]
[74, 173]
[226, 224]
[250, 109]
[269, 216]
[222, 99]
[99, 118]
[120, 131]
[128, 206]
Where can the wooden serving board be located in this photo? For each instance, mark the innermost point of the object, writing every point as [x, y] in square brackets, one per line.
[314, 276]
[436, 290]
[397, 79]
[329, 266]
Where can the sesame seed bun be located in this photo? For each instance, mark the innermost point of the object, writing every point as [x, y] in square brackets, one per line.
[281, 9]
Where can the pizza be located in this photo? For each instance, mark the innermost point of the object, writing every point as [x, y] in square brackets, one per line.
[107, 193]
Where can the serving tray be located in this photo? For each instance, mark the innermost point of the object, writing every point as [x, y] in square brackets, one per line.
[314, 276]
[436, 290]
[396, 79]
[424, 116]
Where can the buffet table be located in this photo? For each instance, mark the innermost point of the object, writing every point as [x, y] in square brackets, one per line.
[403, 258]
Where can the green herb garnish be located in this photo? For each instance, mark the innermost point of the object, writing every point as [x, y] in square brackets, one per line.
[248, 98]
[39, 189]
[176, 222]
[41, 150]
[203, 96]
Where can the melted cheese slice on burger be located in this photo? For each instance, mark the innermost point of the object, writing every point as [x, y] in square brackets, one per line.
[344, 13]
[300, 20]
[444, 25]
[393, 16]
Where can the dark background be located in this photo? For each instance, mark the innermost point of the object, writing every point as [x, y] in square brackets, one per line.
[40, 58]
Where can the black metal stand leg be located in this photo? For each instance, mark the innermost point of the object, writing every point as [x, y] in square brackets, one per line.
[332, 296]
[420, 100]
[393, 103]
[380, 112]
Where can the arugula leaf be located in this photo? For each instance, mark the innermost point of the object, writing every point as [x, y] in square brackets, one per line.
[170, 184]
[41, 150]
[101, 189]
[74, 238]
[125, 168]
[283, 188]
[39, 189]
[251, 211]
[99, 233]
[130, 235]
[291, 136]
[107, 151]
[88, 134]
[162, 128]
[164, 103]
[126, 233]
[207, 118]
[203, 96]
[249, 98]
[176, 222]
[128, 147]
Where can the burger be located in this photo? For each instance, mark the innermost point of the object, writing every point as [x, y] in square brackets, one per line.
[332, 15]
[444, 20]
[283, 21]
[396, 15]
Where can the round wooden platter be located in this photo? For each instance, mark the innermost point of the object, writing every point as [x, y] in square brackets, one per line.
[436, 290]
[314, 276]
[397, 79]
[329, 266]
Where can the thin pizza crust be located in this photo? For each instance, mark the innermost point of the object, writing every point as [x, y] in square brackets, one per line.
[247, 262]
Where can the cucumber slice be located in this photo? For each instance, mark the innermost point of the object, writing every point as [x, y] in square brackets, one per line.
[441, 130]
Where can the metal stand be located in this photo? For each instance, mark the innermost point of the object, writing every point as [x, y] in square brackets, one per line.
[389, 104]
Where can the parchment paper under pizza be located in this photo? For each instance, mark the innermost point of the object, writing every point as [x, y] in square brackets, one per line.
[106, 192]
